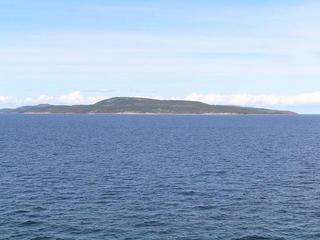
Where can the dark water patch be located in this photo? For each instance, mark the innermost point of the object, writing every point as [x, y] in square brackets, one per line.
[221, 172]
[19, 211]
[149, 224]
[38, 209]
[206, 207]
[109, 194]
[30, 223]
[192, 193]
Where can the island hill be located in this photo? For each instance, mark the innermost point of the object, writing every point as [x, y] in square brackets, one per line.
[132, 105]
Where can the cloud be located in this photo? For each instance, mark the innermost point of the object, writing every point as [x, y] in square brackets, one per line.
[257, 100]
[69, 99]
[64, 56]
[73, 98]
[40, 99]
[95, 99]
[7, 99]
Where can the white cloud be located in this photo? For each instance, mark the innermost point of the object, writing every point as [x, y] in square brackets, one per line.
[7, 99]
[69, 99]
[95, 99]
[72, 98]
[257, 100]
[37, 100]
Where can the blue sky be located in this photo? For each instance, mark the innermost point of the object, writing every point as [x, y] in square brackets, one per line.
[244, 52]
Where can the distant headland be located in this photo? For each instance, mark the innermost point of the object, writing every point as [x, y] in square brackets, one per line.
[133, 105]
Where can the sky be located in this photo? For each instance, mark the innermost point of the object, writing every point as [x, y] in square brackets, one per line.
[261, 53]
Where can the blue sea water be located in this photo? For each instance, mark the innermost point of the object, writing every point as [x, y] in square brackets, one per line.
[159, 177]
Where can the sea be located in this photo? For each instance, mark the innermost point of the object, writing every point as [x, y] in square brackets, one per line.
[127, 177]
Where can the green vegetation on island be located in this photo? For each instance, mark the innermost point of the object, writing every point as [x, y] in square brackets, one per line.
[132, 105]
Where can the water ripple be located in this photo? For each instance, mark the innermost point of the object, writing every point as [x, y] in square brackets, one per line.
[159, 177]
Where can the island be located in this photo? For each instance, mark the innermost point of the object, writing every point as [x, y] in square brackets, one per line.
[134, 105]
